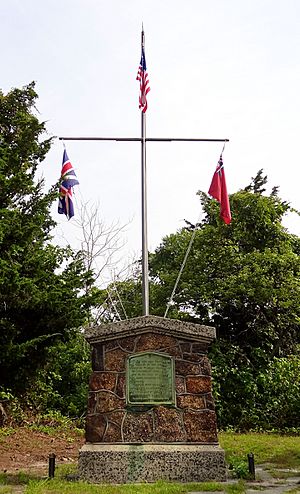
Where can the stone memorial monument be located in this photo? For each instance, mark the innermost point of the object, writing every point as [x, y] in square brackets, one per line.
[150, 410]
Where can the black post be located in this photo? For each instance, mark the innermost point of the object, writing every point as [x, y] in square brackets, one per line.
[51, 465]
[251, 465]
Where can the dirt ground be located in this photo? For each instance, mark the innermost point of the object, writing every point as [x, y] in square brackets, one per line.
[28, 450]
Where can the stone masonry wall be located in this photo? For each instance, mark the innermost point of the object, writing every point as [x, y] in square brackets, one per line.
[108, 420]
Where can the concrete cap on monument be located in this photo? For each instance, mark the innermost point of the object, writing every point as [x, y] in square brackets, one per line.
[160, 325]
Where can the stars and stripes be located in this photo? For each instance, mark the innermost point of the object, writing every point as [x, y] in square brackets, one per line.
[142, 77]
[68, 180]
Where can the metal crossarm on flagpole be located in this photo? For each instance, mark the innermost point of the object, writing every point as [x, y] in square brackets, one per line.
[139, 139]
[143, 139]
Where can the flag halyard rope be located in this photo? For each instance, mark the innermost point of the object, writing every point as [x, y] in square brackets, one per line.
[188, 250]
[170, 301]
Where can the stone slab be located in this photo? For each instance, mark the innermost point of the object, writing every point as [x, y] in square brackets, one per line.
[142, 324]
[130, 463]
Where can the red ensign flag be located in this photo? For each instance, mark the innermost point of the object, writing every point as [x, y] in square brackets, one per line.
[218, 190]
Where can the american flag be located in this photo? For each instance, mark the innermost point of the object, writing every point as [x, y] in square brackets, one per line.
[68, 180]
[142, 76]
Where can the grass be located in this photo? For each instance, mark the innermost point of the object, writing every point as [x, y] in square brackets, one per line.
[6, 431]
[281, 451]
[19, 478]
[55, 430]
[6, 489]
[62, 487]
[283, 474]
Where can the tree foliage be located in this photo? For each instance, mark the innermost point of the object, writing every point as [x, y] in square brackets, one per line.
[62, 383]
[243, 279]
[40, 284]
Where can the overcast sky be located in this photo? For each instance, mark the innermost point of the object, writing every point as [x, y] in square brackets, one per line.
[217, 69]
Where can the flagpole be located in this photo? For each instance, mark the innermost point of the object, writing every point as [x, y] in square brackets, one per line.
[145, 269]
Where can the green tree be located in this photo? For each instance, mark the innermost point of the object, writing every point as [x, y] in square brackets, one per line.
[279, 393]
[40, 284]
[243, 279]
[61, 385]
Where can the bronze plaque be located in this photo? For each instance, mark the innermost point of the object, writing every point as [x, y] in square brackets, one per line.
[150, 379]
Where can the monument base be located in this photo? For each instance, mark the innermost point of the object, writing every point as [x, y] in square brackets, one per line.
[126, 463]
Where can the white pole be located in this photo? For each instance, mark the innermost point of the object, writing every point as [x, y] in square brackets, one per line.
[145, 269]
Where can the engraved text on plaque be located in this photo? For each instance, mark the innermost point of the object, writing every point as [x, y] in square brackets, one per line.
[150, 379]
